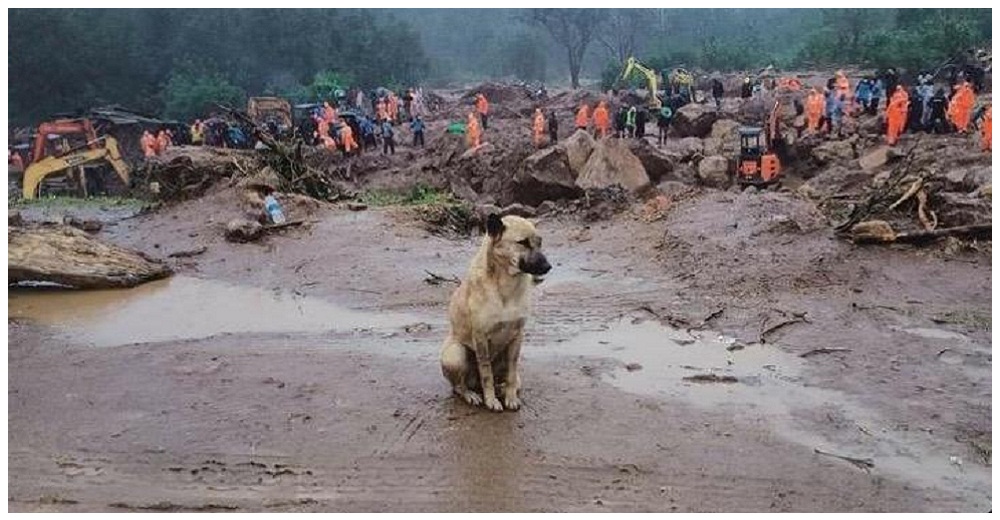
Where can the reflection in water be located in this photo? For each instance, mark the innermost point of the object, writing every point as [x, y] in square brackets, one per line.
[487, 455]
[185, 308]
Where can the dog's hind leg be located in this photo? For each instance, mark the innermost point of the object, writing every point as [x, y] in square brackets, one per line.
[456, 363]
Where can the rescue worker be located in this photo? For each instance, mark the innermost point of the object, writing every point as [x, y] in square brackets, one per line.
[878, 90]
[835, 108]
[746, 90]
[620, 116]
[388, 138]
[915, 112]
[14, 160]
[538, 127]
[162, 141]
[582, 117]
[381, 114]
[986, 129]
[938, 107]
[602, 120]
[895, 114]
[322, 127]
[629, 121]
[717, 92]
[640, 123]
[553, 127]
[663, 123]
[814, 110]
[347, 139]
[392, 106]
[843, 86]
[925, 91]
[197, 132]
[148, 143]
[417, 127]
[472, 130]
[960, 108]
[368, 134]
[329, 113]
[483, 108]
[328, 142]
[863, 95]
[408, 103]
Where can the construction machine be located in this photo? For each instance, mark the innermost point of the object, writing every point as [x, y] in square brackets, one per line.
[273, 113]
[758, 163]
[633, 65]
[104, 149]
[81, 130]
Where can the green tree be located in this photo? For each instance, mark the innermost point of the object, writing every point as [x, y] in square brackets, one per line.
[193, 92]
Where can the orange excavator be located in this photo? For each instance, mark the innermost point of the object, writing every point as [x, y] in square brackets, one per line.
[758, 163]
[76, 129]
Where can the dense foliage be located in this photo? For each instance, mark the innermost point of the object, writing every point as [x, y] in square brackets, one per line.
[175, 62]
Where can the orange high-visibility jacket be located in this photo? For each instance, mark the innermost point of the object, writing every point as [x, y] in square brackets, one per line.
[583, 116]
[482, 106]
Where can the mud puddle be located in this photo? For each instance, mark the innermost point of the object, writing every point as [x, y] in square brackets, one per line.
[762, 384]
[183, 308]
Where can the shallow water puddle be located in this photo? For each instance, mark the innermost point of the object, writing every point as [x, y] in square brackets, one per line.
[759, 383]
[183, 307]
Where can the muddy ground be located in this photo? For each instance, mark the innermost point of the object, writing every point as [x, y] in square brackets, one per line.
[728, 354]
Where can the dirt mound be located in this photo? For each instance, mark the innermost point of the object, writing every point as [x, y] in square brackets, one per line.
[499, 93]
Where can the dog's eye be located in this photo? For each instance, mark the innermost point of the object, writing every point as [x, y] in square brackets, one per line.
[526, 243]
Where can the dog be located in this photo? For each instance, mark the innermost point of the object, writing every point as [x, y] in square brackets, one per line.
[488, 312]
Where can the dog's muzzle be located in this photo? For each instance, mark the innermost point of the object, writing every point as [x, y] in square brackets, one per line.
[534, 263]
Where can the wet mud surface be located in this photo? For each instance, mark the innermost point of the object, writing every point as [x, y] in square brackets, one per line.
[670, 366]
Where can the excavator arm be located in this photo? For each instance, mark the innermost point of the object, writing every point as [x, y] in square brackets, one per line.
[632, 64]
[37, 171]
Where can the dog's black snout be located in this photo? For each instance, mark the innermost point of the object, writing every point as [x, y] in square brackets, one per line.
[535, 263]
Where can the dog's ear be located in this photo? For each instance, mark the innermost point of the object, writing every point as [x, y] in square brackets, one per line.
[494, 226]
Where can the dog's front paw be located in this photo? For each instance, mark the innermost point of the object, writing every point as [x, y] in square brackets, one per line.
[511, 401]
[471, 397]
[493, 403]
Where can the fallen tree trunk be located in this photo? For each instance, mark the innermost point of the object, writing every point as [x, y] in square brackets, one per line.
[880, 232]
[70, 257]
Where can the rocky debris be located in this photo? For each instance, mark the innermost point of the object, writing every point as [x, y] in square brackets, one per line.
[70, 257]
[547, 206]
[578, 148]
[659, 165]
[14, 218]
[603, 203]
[613, 163]
[357, 206]
[90, 225]
[520, 210]
[713, 171]
[498, 93]
[966, 179]
[875, 158]
[243, 230]
[836, 151]
[694, 120]
[546, 175]
[688, 149]
[725, 132]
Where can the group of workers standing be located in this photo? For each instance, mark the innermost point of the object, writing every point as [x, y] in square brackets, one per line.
[154, 145]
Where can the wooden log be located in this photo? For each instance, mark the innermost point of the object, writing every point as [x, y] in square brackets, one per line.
[70, 257]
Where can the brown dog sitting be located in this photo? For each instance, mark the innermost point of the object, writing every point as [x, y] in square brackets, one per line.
[488, 312]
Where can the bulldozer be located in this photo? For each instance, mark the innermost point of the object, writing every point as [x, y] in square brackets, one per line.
[104, 149]
[634, 65]
[759, 163]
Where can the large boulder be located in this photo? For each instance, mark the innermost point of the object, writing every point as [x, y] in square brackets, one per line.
[687, 149]
[834, 151]
[613, 163]
[713, 171]
[243, 230]
[659, 165]
[578, 148]
[694, 120]
[875, 158]
[546, 175]
[726, 131]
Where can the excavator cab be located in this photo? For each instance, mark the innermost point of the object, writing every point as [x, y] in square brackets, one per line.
[757, 165]
[102, 150]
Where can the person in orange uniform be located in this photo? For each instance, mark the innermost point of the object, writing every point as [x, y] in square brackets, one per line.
[814, 110]
[538, 127]
[960, 108]
[14, 160]
[472, 130]
[380, 110]
[843, 86]
[899, 105]
[329, 113]
[583, 117]
[483, 108]
[347, 139]
[392, 107]
[148, 143]
[322, 127]
[987, 129]
[162, 141]
[328, 142]
[602, 121]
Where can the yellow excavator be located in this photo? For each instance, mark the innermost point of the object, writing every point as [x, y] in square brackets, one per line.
[634, 65]
[107, 150]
